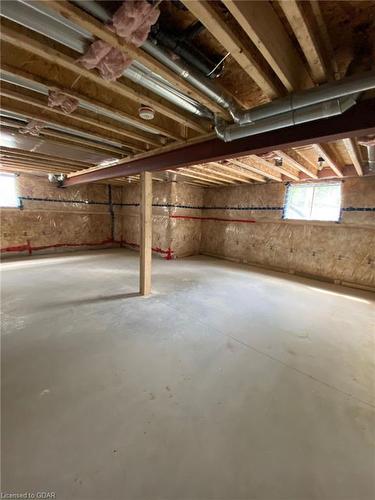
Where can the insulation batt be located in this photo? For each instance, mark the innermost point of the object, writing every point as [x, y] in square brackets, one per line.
[33, 128]
[132, 22]
[109, 61]
[57, 99]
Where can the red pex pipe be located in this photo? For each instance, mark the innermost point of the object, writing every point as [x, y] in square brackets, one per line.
[23, 248]
[168, 253]
[246, 221]
[29, 248]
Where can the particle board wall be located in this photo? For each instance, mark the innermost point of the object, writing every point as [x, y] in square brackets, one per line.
[53, 218]
[341, 251]
[176, 212]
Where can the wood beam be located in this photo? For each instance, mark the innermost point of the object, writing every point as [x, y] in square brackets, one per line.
[33, 46]
[306, 36]
[217, 26]
[353, 151]
[146, 234]
[294, 159]
[357, 121]
[261, 23]
[324, 153]
[92, 25]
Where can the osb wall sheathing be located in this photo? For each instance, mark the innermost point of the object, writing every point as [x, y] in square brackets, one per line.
[53, 218]
[341, 251]
[176, 224]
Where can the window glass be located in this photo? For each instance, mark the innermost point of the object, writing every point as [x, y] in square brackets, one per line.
[8, 194]
[313, 201]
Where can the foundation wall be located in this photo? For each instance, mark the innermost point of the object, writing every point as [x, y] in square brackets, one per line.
[176, 224]
[241, 223]
[244, 224]
[52, 218]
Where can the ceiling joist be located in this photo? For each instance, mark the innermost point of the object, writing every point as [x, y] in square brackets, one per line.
[216, 25]
[29, 43]
[265, 29]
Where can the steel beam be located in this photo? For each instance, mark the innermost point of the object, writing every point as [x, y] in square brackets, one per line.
[358, 121]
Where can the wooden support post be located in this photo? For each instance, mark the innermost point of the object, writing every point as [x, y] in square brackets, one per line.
[146, 234]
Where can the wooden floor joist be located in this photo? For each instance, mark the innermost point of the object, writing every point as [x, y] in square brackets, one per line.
[327, 156]
[90, 24]
[261, 23]
[306, 36]
[205, 12]
[353, 151]
[293, 158]
[31, 44]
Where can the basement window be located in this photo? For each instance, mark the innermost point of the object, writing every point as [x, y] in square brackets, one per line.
[8, 192]
[313, 201]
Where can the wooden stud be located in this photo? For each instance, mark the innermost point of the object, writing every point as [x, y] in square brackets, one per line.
[146, 234]
[217, 26]
[261, 23]
[352, 149]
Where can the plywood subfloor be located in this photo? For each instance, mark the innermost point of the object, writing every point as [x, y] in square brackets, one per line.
[226, 383]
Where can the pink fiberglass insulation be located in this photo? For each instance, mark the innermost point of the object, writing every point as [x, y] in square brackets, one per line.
[33, 128]
[132, 22]
[57, 99]
[109, 61]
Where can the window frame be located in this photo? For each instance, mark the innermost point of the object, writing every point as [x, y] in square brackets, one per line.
[313, 185]
[17, 198]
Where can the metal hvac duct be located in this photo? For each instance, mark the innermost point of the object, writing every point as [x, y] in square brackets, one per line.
[183, 70]
[320, 102]
[37, 17]
[371, 158]
[315, 95]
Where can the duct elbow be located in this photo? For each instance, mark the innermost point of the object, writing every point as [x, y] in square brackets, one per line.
[220, 129]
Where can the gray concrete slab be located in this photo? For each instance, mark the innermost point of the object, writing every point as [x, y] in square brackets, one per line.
[228, 383]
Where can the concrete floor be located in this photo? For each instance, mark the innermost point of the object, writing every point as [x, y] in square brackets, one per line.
[227, 383]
